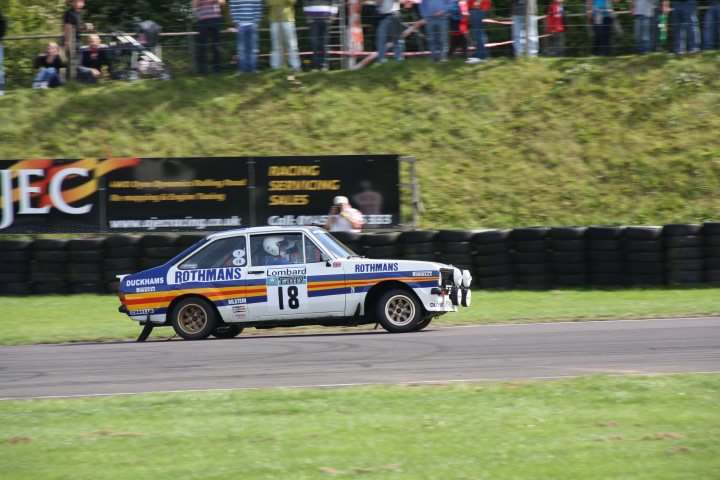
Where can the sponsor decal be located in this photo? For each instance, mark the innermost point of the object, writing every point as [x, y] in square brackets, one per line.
[287, 272]
[208, 275]
[147, 311]
[445, 304]
[239, 257]
[236, 301]
[376, 267]
[144, 289]
[279, 281]
[422, 274]
[336, 264]
[240, 311]
[141, 282]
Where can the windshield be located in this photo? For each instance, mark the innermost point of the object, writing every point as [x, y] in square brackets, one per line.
[334, 246]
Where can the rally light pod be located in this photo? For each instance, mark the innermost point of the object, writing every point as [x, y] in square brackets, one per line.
[466, 278]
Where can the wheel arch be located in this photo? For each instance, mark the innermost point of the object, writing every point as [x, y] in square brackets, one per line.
[178, 299]
[379, 289]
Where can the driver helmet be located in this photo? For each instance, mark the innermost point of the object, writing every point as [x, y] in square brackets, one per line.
[271, 245]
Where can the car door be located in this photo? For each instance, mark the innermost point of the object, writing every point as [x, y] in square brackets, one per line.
[217, 271]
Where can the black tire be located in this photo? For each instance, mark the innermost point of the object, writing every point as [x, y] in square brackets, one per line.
[147, 263]
[570, 280]
[493, 270]
[93, 287]
[50, 244]
[45, 267]
[526, 269]
[607, 279]
[711, 228]
[606, 268]
[607, 245]
[14, 256]
[529, 234]
[567, 233]
[83, 268]
[227, 331]
[131, 251]
[425, 257]
[604, 233]
[20, 288]
[384, 251]
[568, 245]
[684, 241]
[652, 268]
[96, 277]
[644, 246]
[645, 257]
[529, 257]
[86, 256]
[418, 236]
[530, 245]
[499, 282]
[455, 259]
[567, 257]
[51, 287]
[51, 256]
[712, 252]
[643, 233]
[15, 244]
[397, 311]
[110, 264]
[533, 282]
[569, 268]
[643, 279]
[163, 253]
[422, 324]
[12, 267]
[681, 229]
[455, 247]
[685, 265]
[455, 235]
[348, 237]
[598, 256]
[14, 277]
[491, 236]
[492, 260]
[158, 240]
[85, 244]
[189, 239]
[687, 253]
[492, 248]
[193, 318]
[712, 276]
[122, 240]
[712, 263]
[417, 248]
[686, 278]
[380, 239]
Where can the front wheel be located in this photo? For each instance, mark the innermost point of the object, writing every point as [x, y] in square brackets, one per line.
[194, 318]
[227, 331]
[398, 311]
[423, 323]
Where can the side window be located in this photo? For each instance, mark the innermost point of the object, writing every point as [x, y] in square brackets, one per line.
[273, 249]
[312, 253]
[226, 252]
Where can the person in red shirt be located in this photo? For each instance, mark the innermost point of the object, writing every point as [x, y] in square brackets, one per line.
[478, 11]
[556, 28]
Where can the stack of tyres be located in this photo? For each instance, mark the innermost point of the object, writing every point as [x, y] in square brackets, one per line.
[122, 257]
[568, 261]
[418, 245]
[529, 252]
[350, 240]
[157, 249]
[186, 240]
[711, 243]
[380, 245]
[48, 271]
[84, 267]
[644, 259]
[605, 256]
[492, 261]
[683, 254]
[455, 248]
[15, 267]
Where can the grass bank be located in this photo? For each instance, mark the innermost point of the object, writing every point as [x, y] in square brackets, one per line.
[55, 318]
[651, 428]
[624, 140]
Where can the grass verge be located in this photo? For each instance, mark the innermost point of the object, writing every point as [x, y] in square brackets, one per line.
[665, 427]
[51, 319]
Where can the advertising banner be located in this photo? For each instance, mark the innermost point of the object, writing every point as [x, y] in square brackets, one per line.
[186, 194]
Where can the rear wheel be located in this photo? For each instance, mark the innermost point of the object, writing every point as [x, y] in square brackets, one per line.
[194, 318]
[227, 331]
[398, 311]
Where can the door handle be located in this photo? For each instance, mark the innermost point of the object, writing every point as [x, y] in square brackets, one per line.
[256, 271]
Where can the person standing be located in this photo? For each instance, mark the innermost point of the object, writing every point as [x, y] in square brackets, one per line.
[436, 12]
[246, 15]
[389, 29]
[711, 26]
[478, 12]
[556, 28]
[342, 217]
[73, 25]
[209, 23]
[601, 15]
[282, 33]
[524, 30]
[3, 29]
[686, 28]
[319, 15]
[642, 11]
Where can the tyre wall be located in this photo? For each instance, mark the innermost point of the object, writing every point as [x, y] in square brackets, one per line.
[523, 258]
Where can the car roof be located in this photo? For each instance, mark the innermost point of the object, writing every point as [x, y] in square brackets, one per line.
[267, 229]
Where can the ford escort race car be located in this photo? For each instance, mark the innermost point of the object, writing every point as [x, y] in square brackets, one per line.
[267, 277]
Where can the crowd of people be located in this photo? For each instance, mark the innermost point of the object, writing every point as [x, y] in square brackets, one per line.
[450, 26]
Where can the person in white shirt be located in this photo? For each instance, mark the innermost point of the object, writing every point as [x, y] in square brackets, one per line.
[342, 217]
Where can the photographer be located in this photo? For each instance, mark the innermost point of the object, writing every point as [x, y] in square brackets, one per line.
[342, 217]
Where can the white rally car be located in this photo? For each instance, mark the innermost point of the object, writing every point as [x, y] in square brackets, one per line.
[267, 277]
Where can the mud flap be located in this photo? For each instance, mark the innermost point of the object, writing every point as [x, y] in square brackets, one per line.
[147, 329]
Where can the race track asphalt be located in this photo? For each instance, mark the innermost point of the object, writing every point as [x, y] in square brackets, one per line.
[448, 354]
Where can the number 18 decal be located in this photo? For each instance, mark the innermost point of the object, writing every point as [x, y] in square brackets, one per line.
[292, 297]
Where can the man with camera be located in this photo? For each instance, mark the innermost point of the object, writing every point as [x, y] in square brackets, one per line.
[342, 217]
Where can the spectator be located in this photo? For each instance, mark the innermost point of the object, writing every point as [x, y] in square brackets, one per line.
[282, 32]
[92, 60]
[459, 20]
[711, 26]
[524, 29]
[247, 15]
[50, 64]
[320, 14]
[601, 15]
[686, 28]
[73, 25]
[478, 11]
[556, 28]
[642, 11]
[3, 29]
[435, 12]
[209, 23]
[342, 217]
[389, 29]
